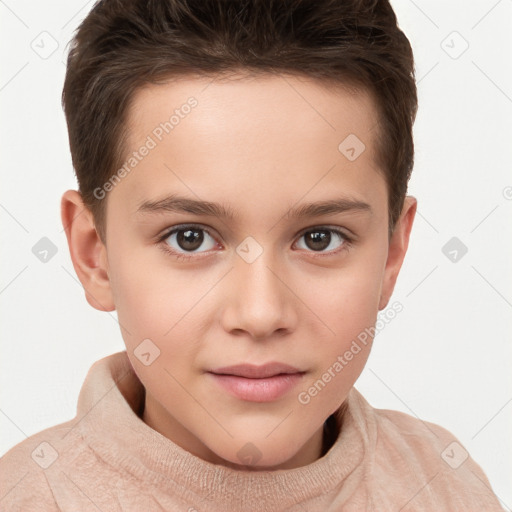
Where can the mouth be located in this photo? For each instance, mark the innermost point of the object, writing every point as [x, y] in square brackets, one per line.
[251, 371]
[258, 383]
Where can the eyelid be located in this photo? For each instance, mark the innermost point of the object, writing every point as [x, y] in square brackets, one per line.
[343, 230]
[169, 231]
[349, 238]
[347, 233]
[347, 243]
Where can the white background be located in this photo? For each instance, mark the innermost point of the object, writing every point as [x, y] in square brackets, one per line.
[445, 358]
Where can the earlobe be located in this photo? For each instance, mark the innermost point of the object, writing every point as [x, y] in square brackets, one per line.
[397, 249]
[88, 252]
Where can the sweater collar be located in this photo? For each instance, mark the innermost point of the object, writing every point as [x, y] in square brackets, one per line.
[109, 407]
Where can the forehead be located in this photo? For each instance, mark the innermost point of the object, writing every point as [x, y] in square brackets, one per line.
[214, 136]
[292, 105]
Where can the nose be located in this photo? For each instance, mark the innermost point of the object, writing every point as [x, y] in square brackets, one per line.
[260, 302]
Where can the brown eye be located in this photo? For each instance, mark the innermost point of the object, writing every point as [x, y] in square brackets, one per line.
[321, 239]
[188, 239]
[317, 240]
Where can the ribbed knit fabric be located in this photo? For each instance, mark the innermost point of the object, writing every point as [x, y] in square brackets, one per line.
[108, 459]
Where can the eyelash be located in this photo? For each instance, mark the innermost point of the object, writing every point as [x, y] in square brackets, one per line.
[347, 241]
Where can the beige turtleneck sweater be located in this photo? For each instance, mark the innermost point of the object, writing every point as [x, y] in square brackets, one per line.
[107, 459]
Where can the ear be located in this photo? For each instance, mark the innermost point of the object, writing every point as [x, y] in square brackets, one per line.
[397, 249]
[88, 253]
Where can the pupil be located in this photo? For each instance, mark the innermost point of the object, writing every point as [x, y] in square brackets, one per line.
[190, 239]
[318, 240]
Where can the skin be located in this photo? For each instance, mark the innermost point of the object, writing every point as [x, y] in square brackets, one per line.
[260, 146]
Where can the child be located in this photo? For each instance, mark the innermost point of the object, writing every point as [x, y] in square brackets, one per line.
[276, 139]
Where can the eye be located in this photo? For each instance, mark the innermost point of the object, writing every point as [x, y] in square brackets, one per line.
[183, 240]
[321, 238]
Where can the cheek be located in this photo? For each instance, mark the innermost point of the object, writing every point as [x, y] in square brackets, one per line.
[152, 310]
[150, 299]
[347, 308]
[347, 299]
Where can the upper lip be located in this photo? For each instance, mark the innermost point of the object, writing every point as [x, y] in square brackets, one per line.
[252, 371]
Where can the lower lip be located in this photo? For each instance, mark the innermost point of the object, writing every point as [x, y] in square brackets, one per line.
[258, 390]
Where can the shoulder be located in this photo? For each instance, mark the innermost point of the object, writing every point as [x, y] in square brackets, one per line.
[425, 456]
[24, 482]
[56, 468]
[422, 441]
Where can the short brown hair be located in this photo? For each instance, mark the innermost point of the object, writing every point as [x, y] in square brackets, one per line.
[124, 44]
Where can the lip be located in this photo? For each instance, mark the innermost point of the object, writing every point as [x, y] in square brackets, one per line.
[252, 371]
[257, 383]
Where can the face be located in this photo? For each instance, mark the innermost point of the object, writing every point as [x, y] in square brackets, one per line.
[216, 256]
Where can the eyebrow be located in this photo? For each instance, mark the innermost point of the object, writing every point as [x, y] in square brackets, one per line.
[179, 204]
